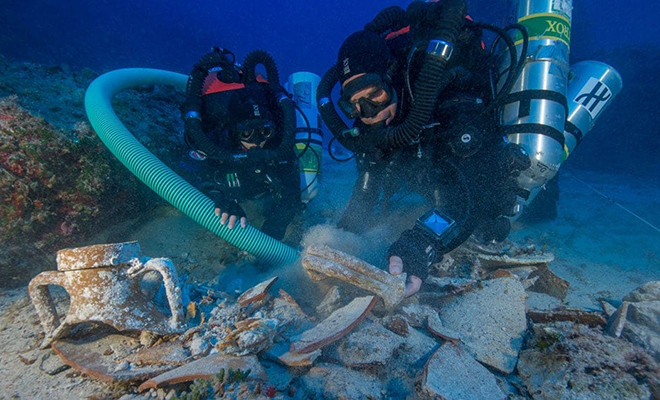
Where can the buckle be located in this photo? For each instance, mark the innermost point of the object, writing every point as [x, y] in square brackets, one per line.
[440, 48]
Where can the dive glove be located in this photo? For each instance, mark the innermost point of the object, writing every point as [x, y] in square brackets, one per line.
[417, 252]
[226, 204]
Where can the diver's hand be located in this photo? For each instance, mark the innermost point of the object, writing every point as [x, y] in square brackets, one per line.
[228, 210]
[411, 253]
[232, 219]
[413, 284]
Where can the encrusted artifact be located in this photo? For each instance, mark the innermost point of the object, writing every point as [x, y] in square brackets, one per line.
[103, 284]
[322, 260]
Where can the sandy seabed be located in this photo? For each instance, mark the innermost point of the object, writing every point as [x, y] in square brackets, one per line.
[602, 250]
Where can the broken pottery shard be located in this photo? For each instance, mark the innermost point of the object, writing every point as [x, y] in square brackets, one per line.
[417, 314]
[170, 353]
[617, 321]
[524, 274]
[568, 314]
[452, 373]
[330, 302]
[434, 325]
[492, 261]
[256, 293]
[414, 353]
[280, 353]
[337, 325]
[397, 324]
[452, 286]
[291, 316]
[336, 264]
[258, 337]
[649, 291]
[549, 283]
[286, 298]
[608, 309]
[299, 360]
[643, 325]
[501, 273]
[206, 368]
[87, 356]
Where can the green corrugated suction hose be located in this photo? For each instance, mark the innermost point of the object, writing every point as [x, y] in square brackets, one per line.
[157, 175]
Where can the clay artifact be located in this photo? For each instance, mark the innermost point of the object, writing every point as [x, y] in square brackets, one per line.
[336, 326]
[323, 261]
[103, 284]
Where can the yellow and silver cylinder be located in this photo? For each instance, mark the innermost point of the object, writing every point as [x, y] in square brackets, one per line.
[535, 110]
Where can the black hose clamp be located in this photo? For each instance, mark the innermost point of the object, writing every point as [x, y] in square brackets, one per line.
[440, 48]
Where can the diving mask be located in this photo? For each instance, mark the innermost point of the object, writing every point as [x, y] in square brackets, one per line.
[379, 96]
[254, 131]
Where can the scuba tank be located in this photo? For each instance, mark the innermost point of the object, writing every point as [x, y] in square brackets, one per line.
[534, 112]
[309, 133]
[591, 88]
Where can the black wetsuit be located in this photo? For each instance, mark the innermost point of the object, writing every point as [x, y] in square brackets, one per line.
[426, 168]
[471, 182]
[270, 174]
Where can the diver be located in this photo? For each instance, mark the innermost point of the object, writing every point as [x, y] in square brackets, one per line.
[240, 128]
[416, 83]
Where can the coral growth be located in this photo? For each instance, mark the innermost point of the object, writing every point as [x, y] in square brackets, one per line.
[46, 180]
[58, 182]
[52, 188]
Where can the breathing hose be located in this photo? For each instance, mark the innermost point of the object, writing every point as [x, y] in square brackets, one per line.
[286, 149]
[391, 18]
[257, 57]
[192, 108]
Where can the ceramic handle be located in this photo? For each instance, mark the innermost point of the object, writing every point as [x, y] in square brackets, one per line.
[43, 301]
[171, 281]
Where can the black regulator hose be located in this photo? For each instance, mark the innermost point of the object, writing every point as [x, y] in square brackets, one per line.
[390, 19]
[257, 57]
[191, 109]
[516, 63]
[431, 80]
[285, 151]
[324, 102]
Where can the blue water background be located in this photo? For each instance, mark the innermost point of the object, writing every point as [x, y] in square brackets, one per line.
[172, 35]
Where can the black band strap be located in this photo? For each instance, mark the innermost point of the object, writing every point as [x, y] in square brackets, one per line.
[574, 131]
[526, 96]
[535, 128]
